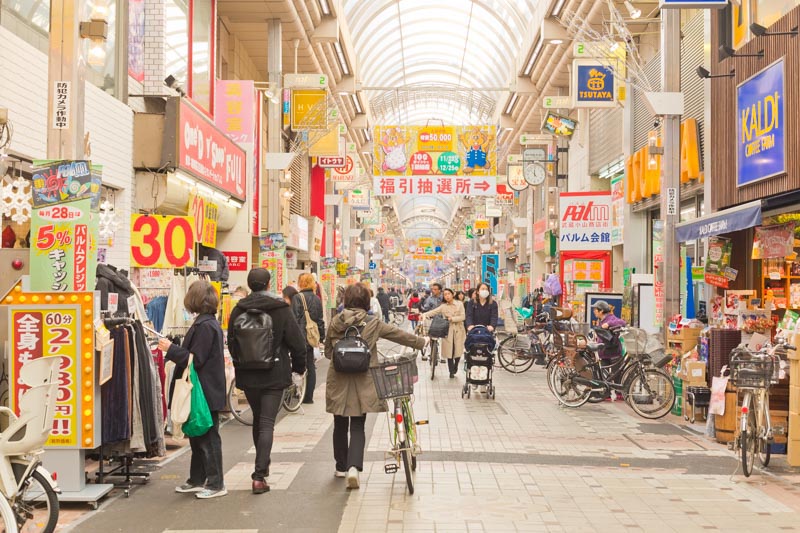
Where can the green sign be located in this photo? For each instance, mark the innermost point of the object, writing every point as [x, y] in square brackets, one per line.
[429, 250]
[469, 232]
[449, 163]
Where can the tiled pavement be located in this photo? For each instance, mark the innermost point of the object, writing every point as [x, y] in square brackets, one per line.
[517, 463]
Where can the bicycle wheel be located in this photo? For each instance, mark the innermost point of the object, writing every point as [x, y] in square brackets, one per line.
[293, 395]
[565, 389]
[411, 431]
[7, 520]
[237, 403]
[434, 358]
[398, 319]
[651, 394]
[514, 355]
[749, 443]
[36, 506]
[405, 455]
[764, 452]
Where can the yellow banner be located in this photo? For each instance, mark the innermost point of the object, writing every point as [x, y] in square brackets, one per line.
[159, 241]
[206, 214]
[482, 223]
[309, 109]
[326, 145]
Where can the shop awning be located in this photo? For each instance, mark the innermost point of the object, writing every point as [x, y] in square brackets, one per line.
[736, 218]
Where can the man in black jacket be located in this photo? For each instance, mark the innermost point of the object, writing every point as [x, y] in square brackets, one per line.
[383, 299]
[264, 388]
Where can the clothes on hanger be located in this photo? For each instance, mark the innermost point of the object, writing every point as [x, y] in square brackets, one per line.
[176, 315]
[156, 311]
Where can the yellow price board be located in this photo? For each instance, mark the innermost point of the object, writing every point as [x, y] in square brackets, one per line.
[162, 241]
[482, 223]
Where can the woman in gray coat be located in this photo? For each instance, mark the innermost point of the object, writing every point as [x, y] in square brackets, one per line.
[349, 397]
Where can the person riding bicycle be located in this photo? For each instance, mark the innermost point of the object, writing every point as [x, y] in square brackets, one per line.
[264, 388]
[606, 320]
[434, 300]
[453, 343]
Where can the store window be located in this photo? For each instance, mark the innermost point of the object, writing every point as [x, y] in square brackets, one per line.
[103, 74]
[201, 53]
[176, 40]
[189, 48]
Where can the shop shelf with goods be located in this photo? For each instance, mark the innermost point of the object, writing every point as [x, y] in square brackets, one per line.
[683, 340]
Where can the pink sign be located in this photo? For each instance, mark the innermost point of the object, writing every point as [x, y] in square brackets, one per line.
[209, 154]
[234, 109]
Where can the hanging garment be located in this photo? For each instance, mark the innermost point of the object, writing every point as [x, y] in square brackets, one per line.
[156, 310]
[212, 254]
[137, 443]
[149, 402]
[114, 395]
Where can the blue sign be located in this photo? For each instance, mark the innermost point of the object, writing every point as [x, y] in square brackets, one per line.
[595, 85]
[372, 265]
[489, 270]
[725, 221]
[761, 126]
[700, 4]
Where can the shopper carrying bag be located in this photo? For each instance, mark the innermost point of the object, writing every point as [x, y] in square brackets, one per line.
[309, 314]
[203, 346]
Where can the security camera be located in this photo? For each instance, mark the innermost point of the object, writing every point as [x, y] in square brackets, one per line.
[172, 83]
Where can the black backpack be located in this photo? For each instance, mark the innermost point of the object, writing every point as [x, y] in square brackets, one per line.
[351, 353]
[255, 339]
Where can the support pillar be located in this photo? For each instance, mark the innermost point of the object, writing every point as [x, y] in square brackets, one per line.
[274, 123]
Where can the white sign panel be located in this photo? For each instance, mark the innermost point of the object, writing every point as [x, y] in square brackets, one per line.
[516, 178]
[672, 201]
[358, 199]
[338, 161]
[61, 99]
[305, 81]
[585, 221]
[347, 173]
[556, 102]
[438, 185]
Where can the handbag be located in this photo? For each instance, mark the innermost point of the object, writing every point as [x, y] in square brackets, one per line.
[200, 420]
[182, 396]
[312, 330]
[439, 328]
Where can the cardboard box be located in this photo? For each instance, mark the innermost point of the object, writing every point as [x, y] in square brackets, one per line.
[693, 373]
[684, 334]
[794, 373]
[794, 398]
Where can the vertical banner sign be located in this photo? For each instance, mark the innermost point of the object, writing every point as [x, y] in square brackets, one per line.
[63, 256]
[159, 241]
[272, 256]
[234, 109]
[658, 279]
[56, 182]
[206, 214]
[617, 210]
[309, 109]
[761, 126]
[41, 329]
[523, 280]
[136, 40]
[61, 95]
[328, 281]
[489, 270]
[585, 221]
[255, 202]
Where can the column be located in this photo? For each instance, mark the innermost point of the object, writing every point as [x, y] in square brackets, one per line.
[274, 123]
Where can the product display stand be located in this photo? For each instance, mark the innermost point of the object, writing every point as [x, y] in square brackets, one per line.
[71, 468]
[123, 470]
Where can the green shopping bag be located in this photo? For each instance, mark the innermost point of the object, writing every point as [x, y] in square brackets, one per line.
[199, 421]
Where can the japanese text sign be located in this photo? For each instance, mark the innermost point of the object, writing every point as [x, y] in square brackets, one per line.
[234, 109]
[207, 153]
[56, 182]
[438, 185]
[206, 214]
[585, 221]
[63, 253]
[237, 261]
[489, 271]
[309, 109]
[761, 126]
[61, 104]
[159, 241]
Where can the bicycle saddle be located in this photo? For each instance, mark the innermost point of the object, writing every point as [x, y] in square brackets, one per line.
[594, 346]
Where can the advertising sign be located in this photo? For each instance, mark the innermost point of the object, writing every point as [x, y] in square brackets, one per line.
[136, 40]
[43, 327]
[298, 233]
[159, 241]
[206, 214]
[617, 210]
[315, 246]
[539, 227]
[309, 109]
[555, 124]
[438, 185]
[56, 182]
[489, 270]
[346, 174]
[429, 150]
[235, 109]
[358, 199]
[585, 221]
[593, 84]
[761, 126]
[237, 261]
[204, 151]
[63, 255]
[327, 279]
[272, 256]
[516, 177]
[332, 162]
[505, 197]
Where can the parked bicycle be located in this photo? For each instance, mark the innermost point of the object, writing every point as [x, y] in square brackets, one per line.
[753, 373]
[292, 399]
[397, 315]
[394, 380]
[29, 493]
[538, 338]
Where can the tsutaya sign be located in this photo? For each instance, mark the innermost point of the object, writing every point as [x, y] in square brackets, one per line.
[643, 178]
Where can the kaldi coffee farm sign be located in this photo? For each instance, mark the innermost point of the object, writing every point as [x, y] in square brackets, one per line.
[203, 151]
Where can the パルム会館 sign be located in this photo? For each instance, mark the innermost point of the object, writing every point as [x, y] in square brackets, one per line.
[761, 128]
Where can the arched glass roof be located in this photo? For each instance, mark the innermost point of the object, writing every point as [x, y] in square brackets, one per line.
[435, 59]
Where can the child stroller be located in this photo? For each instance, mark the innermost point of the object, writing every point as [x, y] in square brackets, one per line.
[479, 360]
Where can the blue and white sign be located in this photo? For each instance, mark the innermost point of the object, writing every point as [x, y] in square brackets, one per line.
[373, 265]
[761, 126]
[489, 270]
[725, 221]
[593, 84]
[699, 4]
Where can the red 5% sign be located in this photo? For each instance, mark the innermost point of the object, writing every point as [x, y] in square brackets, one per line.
[162, 241]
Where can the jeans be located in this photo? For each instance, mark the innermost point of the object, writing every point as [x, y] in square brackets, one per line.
[311, 375]
[265, 404]
[353, 454]
[452, 364]
[206, 464]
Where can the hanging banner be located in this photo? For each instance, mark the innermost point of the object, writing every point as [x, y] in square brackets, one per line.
[617, 210]
[539, 227]
[585, 221]
[272, 257]
[57, 182]
[658, 280]
[309, 109]
[235, 109]
[428, 150]
[774, 242]
[555, 124]
[159, 241]
[718, 260]
[438, 185]
[761, 126]
[205, 214]
[490, 271]
[315, 246]
[593, 84]
[63, 254]
[136, 40]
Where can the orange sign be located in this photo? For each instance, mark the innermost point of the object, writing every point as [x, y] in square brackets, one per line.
[159, 241]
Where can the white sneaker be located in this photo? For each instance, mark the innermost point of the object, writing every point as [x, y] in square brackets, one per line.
[352, 478]
[339, 473]
[207, 494]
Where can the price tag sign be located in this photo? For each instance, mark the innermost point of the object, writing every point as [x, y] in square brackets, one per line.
[162, 241]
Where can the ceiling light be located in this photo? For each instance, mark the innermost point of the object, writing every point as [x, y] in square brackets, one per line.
[341, 58]
[534, 55]
[324, 7]
[632, 11]
[511, 103]
[356, 103]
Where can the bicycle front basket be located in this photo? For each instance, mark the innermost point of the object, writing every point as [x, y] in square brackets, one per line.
[394, 379]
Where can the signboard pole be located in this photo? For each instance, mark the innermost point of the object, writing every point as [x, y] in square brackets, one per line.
[667, 272]
[274, 118]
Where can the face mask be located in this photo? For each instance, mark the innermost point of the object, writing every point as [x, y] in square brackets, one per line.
[483, 294]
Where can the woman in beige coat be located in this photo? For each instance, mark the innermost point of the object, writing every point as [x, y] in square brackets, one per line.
[453, 344]
[349, 397]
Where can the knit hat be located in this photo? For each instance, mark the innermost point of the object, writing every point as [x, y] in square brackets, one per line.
[258, 279]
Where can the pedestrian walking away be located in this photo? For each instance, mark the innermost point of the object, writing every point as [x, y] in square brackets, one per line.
[265, 353]
[350, 396]
[386, 303]
[307, 303]
[453, 344]
[205, 341]
[413, 310]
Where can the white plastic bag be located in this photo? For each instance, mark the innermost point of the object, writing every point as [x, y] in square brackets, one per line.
[718, 385]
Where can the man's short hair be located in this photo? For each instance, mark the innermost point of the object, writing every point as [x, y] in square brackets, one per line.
[258, 279]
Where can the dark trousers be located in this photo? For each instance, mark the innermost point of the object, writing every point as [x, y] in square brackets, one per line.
[206, 465]
[265, 404]
[352, 454]
[311, 375]
[452, 364]
[386, 315]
